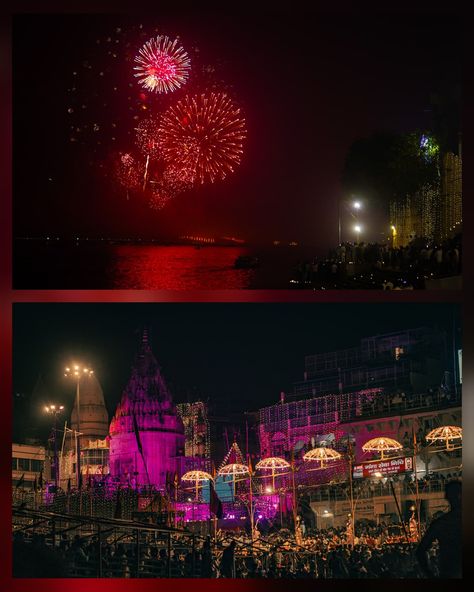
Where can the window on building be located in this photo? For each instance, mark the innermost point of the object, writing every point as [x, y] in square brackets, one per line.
[37, 465]
[14, 464]
[399, 351]
[24, 464]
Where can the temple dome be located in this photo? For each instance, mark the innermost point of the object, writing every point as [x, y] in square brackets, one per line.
[94, 419]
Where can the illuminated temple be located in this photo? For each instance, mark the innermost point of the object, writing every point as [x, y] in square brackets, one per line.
[146, 432]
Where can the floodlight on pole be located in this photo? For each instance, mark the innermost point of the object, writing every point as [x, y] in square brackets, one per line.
[55, 411]
[77, 372]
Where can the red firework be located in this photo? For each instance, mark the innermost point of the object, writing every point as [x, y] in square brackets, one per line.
[203, 134]
[160, 196]
[147, 137]
[163, 65]
[128, 171]
[177, 179]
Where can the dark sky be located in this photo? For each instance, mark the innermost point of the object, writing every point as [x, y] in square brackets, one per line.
[309, 84]
[240, 356]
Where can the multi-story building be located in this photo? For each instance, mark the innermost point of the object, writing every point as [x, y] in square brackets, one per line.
[341, 407]
[410, 360]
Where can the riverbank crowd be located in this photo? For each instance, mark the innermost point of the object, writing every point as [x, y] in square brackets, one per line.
[379, 264]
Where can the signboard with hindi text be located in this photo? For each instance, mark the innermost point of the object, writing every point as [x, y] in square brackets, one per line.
[390, 466]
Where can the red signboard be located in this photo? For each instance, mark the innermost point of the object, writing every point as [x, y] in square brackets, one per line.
[382, 468]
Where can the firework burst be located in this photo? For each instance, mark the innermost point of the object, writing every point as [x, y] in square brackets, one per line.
[163, 65]
[147, 137]
[203, 134]
[177, 179]
[160, 196]
[128, 171]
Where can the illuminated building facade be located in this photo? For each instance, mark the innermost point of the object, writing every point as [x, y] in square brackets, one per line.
[339, 406]
[450, 195]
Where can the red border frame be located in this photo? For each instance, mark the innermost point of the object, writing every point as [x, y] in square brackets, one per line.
[8, 297]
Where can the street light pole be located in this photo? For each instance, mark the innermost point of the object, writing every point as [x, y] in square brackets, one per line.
[76, 372]
[339, 221]
[55, 410]
[350, 457]
[355, 205]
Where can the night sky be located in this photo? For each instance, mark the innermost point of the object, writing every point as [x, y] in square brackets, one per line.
[309, 85]
[239, 356]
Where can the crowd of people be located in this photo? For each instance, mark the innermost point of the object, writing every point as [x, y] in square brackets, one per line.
[321, 554]
[369, 551]
[422, 258]
[401, 400]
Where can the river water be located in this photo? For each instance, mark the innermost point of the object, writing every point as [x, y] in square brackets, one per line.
[39, 265]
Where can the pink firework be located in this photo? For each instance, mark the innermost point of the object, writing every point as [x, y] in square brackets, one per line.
[203, 134]
[163, 65]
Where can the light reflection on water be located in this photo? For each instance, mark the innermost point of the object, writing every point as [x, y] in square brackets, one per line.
[90, 265]
[178, 268]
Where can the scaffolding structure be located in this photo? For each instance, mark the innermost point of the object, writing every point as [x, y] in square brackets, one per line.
[196, 429]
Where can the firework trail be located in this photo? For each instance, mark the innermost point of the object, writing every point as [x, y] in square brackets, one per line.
[147, 141]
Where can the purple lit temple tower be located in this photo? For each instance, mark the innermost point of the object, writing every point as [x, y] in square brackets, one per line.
[146, 433]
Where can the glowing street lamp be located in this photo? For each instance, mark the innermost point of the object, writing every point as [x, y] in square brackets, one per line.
[77, 372]
[351, 207]
[55, 411]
